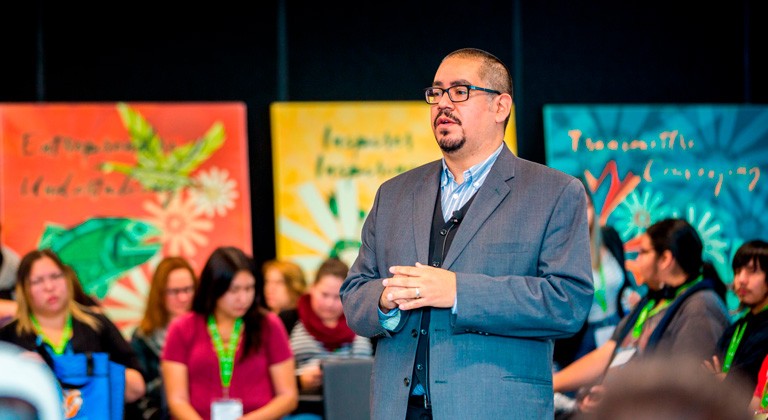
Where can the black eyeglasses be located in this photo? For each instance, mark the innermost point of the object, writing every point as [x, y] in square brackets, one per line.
[458, 93]
[175, 292]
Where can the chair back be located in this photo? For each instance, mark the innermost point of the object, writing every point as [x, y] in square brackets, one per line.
[347, 388]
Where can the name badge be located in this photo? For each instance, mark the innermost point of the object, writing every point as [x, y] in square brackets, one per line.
[623, 356]
[226, 409]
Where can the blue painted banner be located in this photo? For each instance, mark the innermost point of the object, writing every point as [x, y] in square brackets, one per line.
[704, 163]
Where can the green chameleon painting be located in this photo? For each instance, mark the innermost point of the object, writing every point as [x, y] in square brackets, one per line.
[101, 250]
[155, 169]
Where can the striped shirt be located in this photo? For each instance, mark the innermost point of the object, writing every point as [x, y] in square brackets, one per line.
[310, 352]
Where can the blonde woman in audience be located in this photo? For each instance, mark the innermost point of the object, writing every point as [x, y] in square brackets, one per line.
[49, 319]
[228, 354]
[170, 296]
[283, 284]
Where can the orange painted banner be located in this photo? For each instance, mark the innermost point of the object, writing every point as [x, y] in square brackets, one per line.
[114, 187]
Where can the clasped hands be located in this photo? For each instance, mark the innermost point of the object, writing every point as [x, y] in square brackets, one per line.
[417, 286]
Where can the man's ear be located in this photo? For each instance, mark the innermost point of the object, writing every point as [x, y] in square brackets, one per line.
[503, 107]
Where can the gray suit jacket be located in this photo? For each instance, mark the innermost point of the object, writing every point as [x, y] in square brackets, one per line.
[523, 278]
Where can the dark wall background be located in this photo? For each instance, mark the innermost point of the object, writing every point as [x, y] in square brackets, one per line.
[558, 51]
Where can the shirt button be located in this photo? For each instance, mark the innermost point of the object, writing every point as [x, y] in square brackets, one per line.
[419, 366]
[406, 382]
[435, 263]
[414, 333]
[443, 232]
[423, 332]
[455, 196]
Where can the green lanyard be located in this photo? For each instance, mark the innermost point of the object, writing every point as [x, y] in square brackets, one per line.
[638, 328]
[58, 348]
[600, 291]
[735, 341]
[226, 355]
[648, 310]
[733, 345]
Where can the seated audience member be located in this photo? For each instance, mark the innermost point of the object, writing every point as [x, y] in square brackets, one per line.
[759, 402]
[744, 344]
[251, 371]
[684, 313]
[611, 281]
[283, 284]
[318, 330]
[668, 389]
[49, 319]
[170, 296]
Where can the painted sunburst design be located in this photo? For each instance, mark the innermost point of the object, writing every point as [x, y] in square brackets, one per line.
[711, 232]
[183, 225]
[126, 301]
[337, 218]
[638, 211]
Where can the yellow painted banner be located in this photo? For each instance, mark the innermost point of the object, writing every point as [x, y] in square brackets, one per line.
[329, 158]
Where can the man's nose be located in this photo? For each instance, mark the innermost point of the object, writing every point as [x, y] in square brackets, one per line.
[445, 101]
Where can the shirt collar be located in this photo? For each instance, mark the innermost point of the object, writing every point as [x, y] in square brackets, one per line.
[476, 173]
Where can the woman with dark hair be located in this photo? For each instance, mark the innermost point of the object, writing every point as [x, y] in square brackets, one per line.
[170, 296]
[683, 314]
[229, 355]
[49, 319]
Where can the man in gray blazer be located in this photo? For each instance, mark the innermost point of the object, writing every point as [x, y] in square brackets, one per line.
[470, 265]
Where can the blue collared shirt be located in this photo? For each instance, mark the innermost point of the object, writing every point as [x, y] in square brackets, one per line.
[453, 197]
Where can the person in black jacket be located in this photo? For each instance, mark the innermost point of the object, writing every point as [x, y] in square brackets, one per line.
[742, 347]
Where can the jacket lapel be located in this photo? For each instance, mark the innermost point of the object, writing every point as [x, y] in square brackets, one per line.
[424, 197]
[488, 198]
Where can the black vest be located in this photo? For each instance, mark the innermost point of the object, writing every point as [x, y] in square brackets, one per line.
[439, 242]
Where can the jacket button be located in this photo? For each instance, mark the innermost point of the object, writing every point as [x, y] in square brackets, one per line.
[414, 333]
[406, 382]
